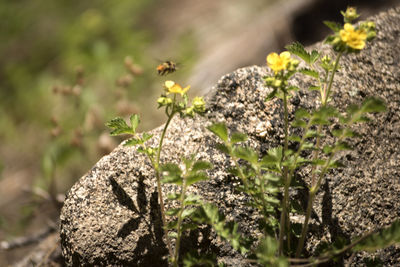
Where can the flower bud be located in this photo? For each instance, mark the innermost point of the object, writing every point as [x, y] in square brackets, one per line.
[164, 101]
[350, 14]
[199, 104]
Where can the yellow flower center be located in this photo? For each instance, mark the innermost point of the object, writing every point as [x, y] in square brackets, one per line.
[278, 62]
[175, 88]
[353, 38]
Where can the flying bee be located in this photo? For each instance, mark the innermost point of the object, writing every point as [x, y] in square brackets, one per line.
[166, 67]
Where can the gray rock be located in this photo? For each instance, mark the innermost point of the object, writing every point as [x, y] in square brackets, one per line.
[111, 215]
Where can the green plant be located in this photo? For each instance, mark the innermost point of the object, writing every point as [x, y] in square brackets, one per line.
[267, 179]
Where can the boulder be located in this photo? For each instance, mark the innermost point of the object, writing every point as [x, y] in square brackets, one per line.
[111, 215]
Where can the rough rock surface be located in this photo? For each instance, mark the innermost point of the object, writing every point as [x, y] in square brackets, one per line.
[111, 215]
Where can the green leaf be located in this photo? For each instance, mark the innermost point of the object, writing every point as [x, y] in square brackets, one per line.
[172, 179]
[294, 138]
[314, 56]
[201, 165]
[297, 49]
[246, 153]
[196, 177]
[327, 149]
[373, 105]
[146, 137]
[220, 130]
[382, 239]
[314, 88]
[271, 95]
[173, 212]
[311, 133]
[299, 123]
[188, 212]
[191, 200]
[172, 224]
[133, 142]
[342, 146]
[119, 126]
[309, 72]
[301, 113]
[238, 137]
[334, 26]
[336, 164]
[171, 168]
[173, 196]
[223, 148]
[134, 122]
[266, 253]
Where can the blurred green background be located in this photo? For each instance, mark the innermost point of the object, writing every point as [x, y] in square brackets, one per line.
[67, 67]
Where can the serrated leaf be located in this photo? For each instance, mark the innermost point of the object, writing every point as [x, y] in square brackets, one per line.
[297, 49]
[314, 56]
[343, 146]
[238, 137]
[172, 212]
[327, 149]
[191, 200]
[196, 177]
[307, 145]
[382, 239]
[133, 142]
[220, 130]
[311, 133]
[201, 165]
[309, 72]
[172, 179]
[373, 105]
[223, 148]
[119, 126]
[299, 123]
[294, 138]
[271, 95]
[173, 196]
[314, 88]
[301, 113]
[336, 164]
[172, 224]
[134, 122]
[171, 168]
[246, 153]
[188, 212]
[334, 26]
[146, 137]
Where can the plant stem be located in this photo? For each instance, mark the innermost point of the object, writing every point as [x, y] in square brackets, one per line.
[328, 90]
[284, 216]
[158, 176]
[178, 240]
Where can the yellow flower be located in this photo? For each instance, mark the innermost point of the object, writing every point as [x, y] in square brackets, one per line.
[175, 88]
[353, 38]
[278, 62]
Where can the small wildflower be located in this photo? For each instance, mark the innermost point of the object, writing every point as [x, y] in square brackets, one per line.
[164, 101]
[350, 14]
[199, 104]
[175, 88]
[353, 38]
[278, 62]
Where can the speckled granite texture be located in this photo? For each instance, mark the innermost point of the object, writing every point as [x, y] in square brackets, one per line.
[111, 215]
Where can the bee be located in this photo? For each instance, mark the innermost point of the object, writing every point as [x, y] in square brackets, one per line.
[166, 67]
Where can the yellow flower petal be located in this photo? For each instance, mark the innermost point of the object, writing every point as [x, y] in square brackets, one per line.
[278, 62]
[353, 38]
